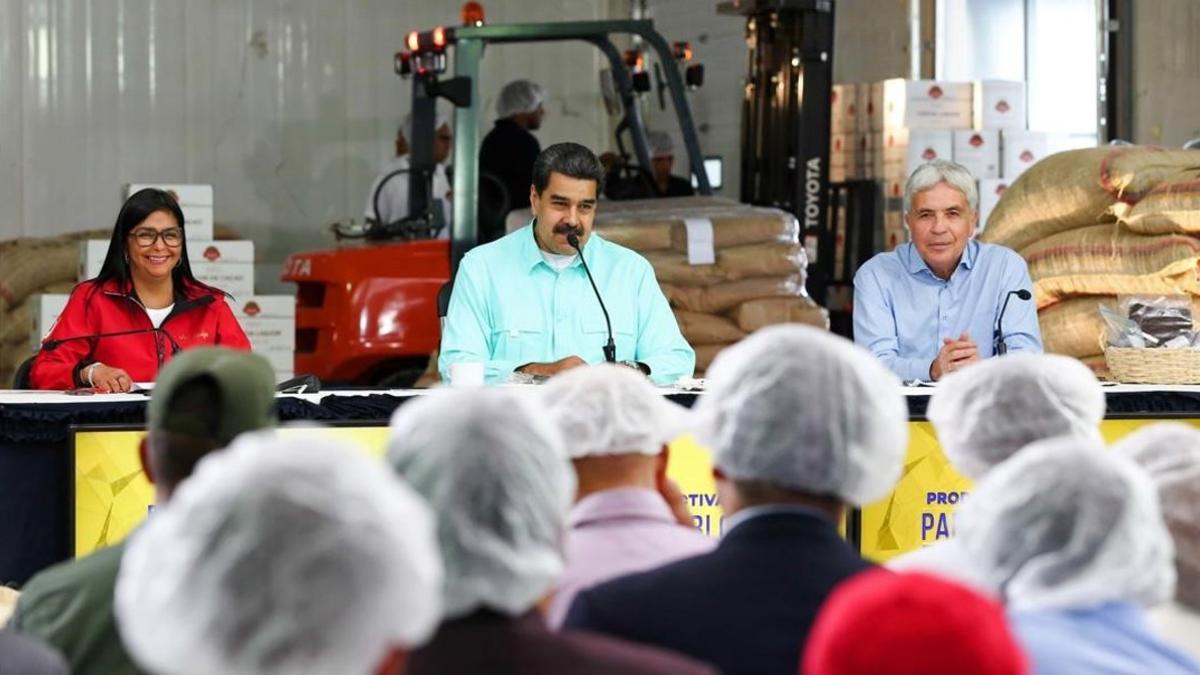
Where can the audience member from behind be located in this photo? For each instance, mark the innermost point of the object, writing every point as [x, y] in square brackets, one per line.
[880, 623]
[495, 472]
[1071, 538]
[628, 516]
[983, 415]
[203, 399]
[801, 423]
[1170, 453]
[282, 556]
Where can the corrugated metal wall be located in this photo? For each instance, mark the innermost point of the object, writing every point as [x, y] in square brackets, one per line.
[287, 107]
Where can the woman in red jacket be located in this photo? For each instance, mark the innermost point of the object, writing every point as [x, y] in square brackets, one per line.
[145, 286]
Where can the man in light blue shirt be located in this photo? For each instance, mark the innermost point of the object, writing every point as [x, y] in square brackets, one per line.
[524, 304]
[933, 305]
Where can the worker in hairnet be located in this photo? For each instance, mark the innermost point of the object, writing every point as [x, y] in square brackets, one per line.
[509, 149]
[387, 200]
[662, 156]
[801, 423]
[985, 414]
[655, 182]
[1170, 453]
[496, 474]
[282, 556]
[1072, 540]
[628, 516]
[880, 623]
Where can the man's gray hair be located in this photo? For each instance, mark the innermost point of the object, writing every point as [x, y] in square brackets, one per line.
[942, 171]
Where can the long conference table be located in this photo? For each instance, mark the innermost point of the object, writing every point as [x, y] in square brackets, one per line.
[70, 480]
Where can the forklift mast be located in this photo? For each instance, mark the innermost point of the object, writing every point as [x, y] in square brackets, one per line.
[786, 120]
[427, 50]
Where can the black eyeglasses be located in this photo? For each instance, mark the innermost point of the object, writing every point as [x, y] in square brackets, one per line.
[146, 237]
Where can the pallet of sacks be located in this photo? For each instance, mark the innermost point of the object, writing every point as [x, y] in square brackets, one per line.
[1097, 223]
[756, 277]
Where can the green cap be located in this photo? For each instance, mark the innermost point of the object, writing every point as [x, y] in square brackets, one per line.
[244, 386]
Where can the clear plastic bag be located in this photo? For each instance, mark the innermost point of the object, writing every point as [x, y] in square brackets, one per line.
[1151, 321]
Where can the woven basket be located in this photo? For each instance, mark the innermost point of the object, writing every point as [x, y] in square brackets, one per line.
[1153, 366]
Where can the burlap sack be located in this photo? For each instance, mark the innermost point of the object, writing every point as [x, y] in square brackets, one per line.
[723, 297]
[706, 329]
[705, 355]
[1110, 249]
[752, 315]
[1073, 327]
[1175, 279]
[1076, 188]
[641, 238]
[733, 264]
[23, 269]
[759, 226]
[1098, 365]
[1170, 207]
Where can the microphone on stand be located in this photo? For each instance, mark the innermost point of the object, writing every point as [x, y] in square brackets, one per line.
[610, 349]
[51, 345]
[1000, 347]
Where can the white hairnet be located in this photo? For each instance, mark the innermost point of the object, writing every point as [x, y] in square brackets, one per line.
[1064, 524]
[661, 143]
[611, 410]
[441, 119]
[1170, 453]
[280, 556]
[986, 413]
[494, 470]
[805, 410]
[519, 96]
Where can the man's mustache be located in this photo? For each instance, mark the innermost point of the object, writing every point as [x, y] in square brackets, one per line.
[568, 228]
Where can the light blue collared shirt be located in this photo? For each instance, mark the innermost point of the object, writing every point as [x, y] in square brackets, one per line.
[902, 310]
[1110, 639]
[509, 308]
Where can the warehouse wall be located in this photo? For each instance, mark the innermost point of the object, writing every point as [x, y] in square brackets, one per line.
[288, 107]
[1166, 71]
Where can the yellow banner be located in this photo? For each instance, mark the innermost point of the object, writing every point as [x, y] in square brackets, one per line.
[112, 495]
[921, 509]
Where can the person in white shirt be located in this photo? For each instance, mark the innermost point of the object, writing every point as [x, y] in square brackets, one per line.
[392, 204]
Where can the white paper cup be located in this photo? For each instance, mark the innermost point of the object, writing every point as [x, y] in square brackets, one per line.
[465, 374]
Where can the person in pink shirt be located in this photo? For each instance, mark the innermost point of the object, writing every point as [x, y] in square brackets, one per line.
[628, 516]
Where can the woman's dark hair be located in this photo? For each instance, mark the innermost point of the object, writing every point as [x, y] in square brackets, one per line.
[136, 209]
[569, 159]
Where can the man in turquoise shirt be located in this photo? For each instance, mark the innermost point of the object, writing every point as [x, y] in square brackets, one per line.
[524, 304]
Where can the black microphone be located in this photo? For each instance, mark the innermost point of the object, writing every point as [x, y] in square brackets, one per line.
[610, 349]
[51, 345]
[1000, 346]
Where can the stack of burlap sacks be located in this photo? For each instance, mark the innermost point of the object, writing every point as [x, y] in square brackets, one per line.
[1097, 223]
[757, 279]
[29, 266]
